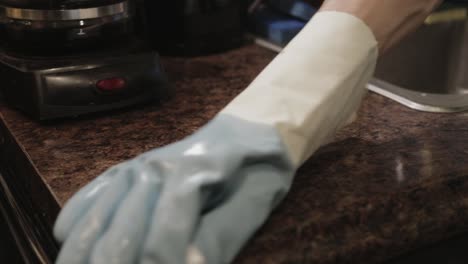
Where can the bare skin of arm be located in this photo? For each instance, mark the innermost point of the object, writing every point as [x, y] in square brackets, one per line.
[390, 20]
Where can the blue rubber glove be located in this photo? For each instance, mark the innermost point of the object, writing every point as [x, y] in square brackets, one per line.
[210, 191]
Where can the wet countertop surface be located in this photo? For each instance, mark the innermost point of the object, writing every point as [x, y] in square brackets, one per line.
[394, 180]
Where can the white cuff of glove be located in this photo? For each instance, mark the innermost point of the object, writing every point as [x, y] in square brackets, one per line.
[313, 87]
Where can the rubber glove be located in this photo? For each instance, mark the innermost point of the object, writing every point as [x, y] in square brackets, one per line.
[199, 200]
[149, 209]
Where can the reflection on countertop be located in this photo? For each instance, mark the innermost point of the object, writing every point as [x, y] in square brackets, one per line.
[394, 180]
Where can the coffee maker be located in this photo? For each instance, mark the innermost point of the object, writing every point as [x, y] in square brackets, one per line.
[64, 58]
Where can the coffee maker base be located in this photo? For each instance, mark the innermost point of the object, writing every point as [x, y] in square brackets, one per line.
[51, 88]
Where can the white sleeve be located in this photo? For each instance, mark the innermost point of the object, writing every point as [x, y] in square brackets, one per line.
[313, 87]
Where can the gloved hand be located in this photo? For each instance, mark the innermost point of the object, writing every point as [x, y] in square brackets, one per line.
[211, 190]
[390, 20]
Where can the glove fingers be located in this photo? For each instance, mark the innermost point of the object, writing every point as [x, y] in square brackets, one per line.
[220, 236]
[124, 239]
[175, 219]
[77, 247]
[79, 204]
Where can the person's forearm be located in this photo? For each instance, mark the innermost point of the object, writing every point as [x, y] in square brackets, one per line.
[390, 20]
[312, 88]
[314, 85]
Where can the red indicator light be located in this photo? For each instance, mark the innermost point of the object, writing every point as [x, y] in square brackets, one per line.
[111, 84]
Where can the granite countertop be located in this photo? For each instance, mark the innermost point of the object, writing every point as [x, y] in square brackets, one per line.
[394, 180]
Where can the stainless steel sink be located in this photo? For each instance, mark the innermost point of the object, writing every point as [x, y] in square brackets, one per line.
[428, 70]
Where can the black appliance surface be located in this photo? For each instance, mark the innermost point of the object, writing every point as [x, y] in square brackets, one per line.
[54, 87]
[196, 27]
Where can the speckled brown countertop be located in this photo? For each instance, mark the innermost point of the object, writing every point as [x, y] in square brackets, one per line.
[394, 180]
